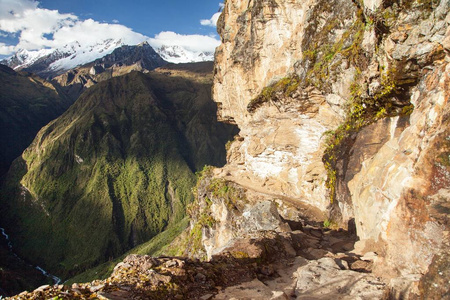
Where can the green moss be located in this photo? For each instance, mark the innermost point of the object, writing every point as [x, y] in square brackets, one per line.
[444, 159]
[361, 111]
[328, 57]
[282, 88]
[330, 224]
[407, 110]
[240, 254]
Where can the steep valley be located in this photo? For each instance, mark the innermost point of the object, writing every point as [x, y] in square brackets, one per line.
[113, 171]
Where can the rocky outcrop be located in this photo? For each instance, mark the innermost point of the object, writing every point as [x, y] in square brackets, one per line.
[281, 146]
[251, 269]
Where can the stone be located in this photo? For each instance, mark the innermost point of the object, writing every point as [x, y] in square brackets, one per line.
[324, 277]
[362, 266]
[279, 295]
[262, 217]
[200, 277]
[399, 36]
[170, 264]
[446, 41]
[42, 288]
[372, 5]
[267, 270]
[207, 297]
[369, 256]
[96, 288]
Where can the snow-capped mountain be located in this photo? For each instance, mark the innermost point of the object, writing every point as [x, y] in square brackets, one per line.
[52, 62]
[178, 54]
[49, 63]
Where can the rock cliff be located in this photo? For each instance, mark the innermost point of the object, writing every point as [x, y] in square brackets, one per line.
[343, 105]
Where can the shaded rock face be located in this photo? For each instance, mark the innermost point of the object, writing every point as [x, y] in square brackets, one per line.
[343, 105]
[397, 189]
[143, 54]
[27, 103]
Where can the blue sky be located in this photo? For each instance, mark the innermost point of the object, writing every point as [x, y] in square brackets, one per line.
[148, 17]
[39, 24]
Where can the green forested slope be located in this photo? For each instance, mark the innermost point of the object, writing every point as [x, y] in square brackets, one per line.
[111, 172]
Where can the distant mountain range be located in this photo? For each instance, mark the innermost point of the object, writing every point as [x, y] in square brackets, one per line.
[52, 62]
[49, 63]
[177, 54]
[121, 61]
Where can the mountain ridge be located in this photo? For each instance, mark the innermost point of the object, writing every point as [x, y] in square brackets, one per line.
[54, 62]
[28, 102]
[120, 61]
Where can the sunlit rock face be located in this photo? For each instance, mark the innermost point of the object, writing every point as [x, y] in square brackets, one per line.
[281, 144]
[288, 74]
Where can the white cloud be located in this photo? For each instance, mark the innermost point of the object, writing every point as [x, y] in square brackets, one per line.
[115, 21]
[39, 28]
[211, 22]
[5, 49]
[9, 8]
[193, 42]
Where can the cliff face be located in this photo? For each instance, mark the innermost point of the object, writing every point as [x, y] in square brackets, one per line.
[343, 105]
[263, 42]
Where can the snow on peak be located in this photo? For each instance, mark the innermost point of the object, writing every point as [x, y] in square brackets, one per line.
[179, 54]
[53, 62]
[59, 60]
[24, 58]
[80, 55]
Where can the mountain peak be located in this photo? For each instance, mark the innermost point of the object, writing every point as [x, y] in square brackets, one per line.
[52, 62]
[178, 54]
[144, 44]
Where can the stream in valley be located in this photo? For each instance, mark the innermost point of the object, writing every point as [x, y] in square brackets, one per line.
[55, 279]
